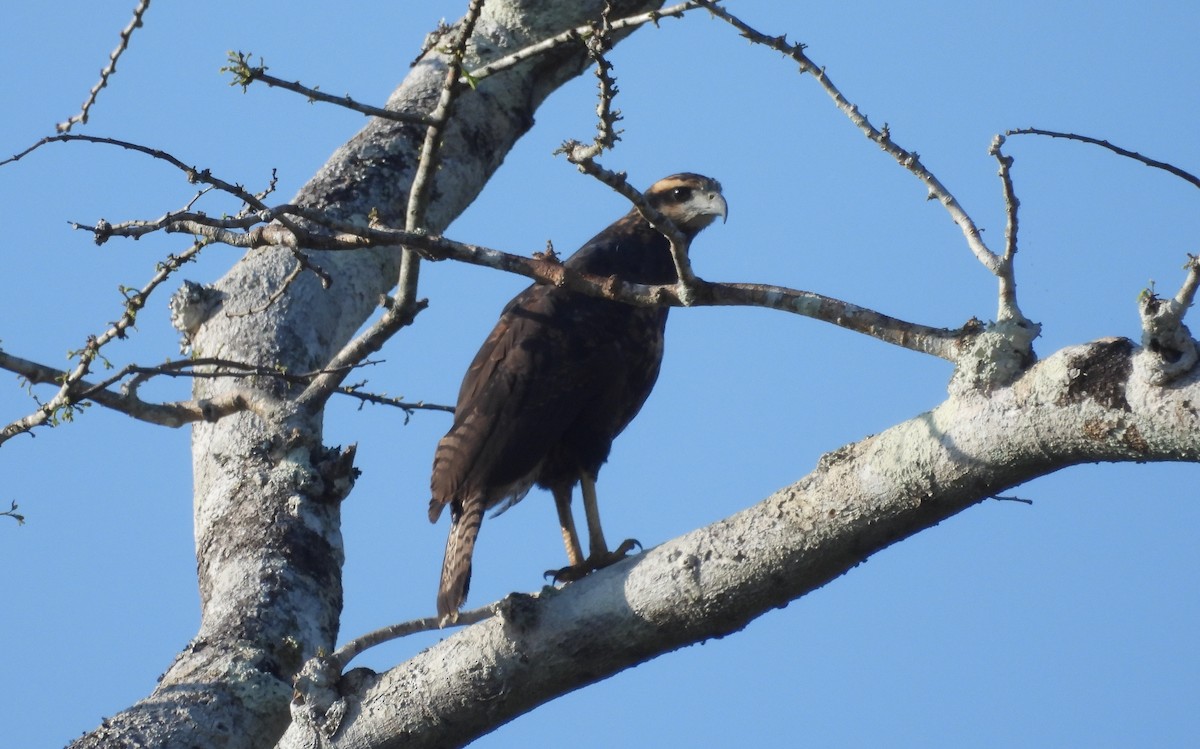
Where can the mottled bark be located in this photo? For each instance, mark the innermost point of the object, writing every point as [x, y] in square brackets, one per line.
[267, 490]
[1086, 403]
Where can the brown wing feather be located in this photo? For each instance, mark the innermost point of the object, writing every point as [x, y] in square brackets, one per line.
[518, 395]
[558, 378]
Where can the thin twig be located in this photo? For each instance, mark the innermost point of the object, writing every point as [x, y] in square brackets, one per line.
[1021, 500]
[103, 230]
[109, 70]
[573, 36]
[347, 652]
[408, 407]
[303, 263]
[619, 182]
[12, 513]
[67, 397]
[427, 165]
[882, 137]
[194, 175]
[1186, 176]
[1008, 281]
[245, 74]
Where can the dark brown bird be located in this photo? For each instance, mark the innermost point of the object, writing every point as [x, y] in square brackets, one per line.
[556, 381]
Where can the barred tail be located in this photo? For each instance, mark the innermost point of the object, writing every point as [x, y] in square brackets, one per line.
[456, 567]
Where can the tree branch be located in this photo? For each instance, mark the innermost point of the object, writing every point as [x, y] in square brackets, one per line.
[1188, 177]
[172, 415]
[1008, 281]
[109, 70]
[577, 34]
[910, 160]
[710, 582]
[244, 74]
[69, 382]
[1172, 351]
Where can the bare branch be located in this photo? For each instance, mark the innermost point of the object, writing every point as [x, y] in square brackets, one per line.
[109, 70]
[618, 181]
[245, 74]
[175, 414]
[79, 390]
[408, 407]
[194, 175]
[577, 34]
[11, 512]
[418, 193]
[70, 382]
[1008, 281]
[882, 137]
[346, 653]
[545, 268]
[1186, 176]
[367, 343]
[597, 43]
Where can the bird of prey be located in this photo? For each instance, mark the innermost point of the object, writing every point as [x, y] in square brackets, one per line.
[557, 380]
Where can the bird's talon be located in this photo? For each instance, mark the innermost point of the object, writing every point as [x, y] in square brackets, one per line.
[571, 573]
[627, 546]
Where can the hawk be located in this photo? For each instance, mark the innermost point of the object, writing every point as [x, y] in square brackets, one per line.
[558, 378]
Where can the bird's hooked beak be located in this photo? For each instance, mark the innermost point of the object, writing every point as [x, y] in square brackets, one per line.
[719, 206]
[707, 206]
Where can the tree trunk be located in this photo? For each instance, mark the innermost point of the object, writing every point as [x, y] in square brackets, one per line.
[267, 491]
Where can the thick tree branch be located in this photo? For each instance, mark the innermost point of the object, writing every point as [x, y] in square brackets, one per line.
[1080, 405]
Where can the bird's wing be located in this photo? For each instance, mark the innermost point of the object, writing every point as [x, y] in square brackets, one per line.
[518, 396]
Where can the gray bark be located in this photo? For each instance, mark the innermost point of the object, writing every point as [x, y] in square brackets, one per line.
[1086, 403]
[267, 490]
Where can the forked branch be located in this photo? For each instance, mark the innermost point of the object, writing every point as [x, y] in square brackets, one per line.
[910, 160]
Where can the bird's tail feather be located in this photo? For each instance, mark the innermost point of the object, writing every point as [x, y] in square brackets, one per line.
[456, 567]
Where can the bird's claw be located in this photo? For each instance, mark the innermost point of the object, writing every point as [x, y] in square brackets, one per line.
[574, 572]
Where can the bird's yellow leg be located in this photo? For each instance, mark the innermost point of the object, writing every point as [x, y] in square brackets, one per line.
[597, 547]
[566, 521]
[599, 556]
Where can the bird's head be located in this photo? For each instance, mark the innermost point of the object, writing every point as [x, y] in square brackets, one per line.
[691, 201]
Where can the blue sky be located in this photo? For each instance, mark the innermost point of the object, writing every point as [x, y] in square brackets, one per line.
[1070, 622]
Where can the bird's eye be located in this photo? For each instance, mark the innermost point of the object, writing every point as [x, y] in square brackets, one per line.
[682, 194]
